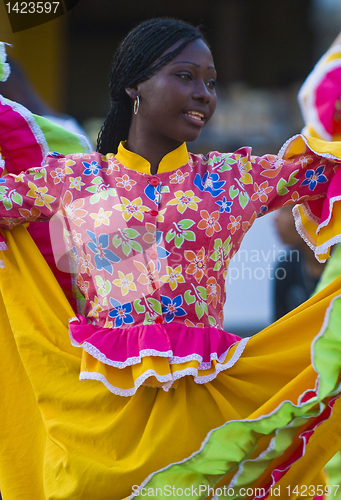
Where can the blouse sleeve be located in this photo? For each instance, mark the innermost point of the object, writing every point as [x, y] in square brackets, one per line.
[304, 172]
[33, 194]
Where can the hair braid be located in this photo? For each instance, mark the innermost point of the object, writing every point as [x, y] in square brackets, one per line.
[138, 57]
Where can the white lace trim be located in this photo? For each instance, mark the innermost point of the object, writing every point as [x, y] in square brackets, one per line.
[3, 57]
[96, 353]
[36, 130]
[134, 360]
[85, 143]
[283, 149]
[138, 382]
[169, 379]
[3, 245]
[305, 235]
[331, 203]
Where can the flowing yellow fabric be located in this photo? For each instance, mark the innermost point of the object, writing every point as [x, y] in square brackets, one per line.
[75, 439]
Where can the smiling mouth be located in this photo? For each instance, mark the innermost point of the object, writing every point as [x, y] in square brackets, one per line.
[195, 115]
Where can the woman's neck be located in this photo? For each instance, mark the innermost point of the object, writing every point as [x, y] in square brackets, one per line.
[152, 150]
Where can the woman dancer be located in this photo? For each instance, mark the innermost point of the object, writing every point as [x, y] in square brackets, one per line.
[168, 403]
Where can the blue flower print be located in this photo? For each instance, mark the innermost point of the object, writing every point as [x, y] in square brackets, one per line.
[263, 210]
[225, 206]
[171, 307]
[53, 154]
[103, 256]
[210, 183]
[2, 180]
[162, 253]
[91, 168]
[120, 313]
[153, 193]
[313, 178]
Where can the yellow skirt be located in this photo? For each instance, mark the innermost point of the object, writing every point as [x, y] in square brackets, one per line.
[62, 438]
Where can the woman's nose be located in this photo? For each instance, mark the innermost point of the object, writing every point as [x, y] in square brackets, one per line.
[201, 92]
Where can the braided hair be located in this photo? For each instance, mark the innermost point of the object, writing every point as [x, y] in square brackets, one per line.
[137, 59]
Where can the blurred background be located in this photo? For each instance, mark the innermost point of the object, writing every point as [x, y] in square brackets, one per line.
[263, 51]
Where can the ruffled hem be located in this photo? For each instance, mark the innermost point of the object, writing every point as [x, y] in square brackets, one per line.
[154, 355]
[318, 221]
[263, 448]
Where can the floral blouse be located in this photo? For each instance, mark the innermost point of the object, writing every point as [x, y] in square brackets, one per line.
[153, 250]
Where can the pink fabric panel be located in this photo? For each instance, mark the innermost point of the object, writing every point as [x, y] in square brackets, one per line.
[18, 156]
[326, 92]
[121, 344]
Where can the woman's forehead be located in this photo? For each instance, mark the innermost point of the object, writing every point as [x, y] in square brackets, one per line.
[195, 51]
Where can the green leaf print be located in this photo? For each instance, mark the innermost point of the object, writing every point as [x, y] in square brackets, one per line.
[227, 163]
[185, 223]
[199, 309]
[17, 198]
[202, 292]
[217, 265]
[282, 184]
[189, 235]
[164, 189]
[126, 248]
[170, 235]
[130, 233]
[155, 305]
[117, 241]
[7, 203]
[243, 199]
[189, 298]
[181, 233]
[179, 239]
[233, 192]
[104, 287]
[139, 308]
[212, 321]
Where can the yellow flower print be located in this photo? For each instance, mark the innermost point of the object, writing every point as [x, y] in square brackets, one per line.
[125, 283]
[160, 217]
[101, 218]
[40, 195]
[96, 308]
[19, 177]
[185, 200]
[131, 209]
[244, 166]
[76, 183]
[173, 277]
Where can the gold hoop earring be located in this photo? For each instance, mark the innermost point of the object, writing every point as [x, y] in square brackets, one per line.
[136, 105]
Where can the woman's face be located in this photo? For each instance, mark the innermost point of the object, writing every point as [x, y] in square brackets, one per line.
[178, 101]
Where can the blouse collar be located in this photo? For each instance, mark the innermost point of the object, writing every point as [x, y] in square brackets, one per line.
[173, 160]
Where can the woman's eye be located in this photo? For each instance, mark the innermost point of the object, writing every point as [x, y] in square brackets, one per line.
[184, 76]
[211, 84]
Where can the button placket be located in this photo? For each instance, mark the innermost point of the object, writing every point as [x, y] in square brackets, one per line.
[153, 253]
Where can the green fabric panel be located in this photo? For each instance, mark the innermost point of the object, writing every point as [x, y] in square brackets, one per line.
[60, 140]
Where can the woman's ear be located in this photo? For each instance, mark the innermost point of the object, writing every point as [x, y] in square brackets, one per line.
[132, 92]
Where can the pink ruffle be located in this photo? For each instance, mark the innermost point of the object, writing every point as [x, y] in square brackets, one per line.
[326, 92]
[121, 347]
[29, 152]
[320, 210]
